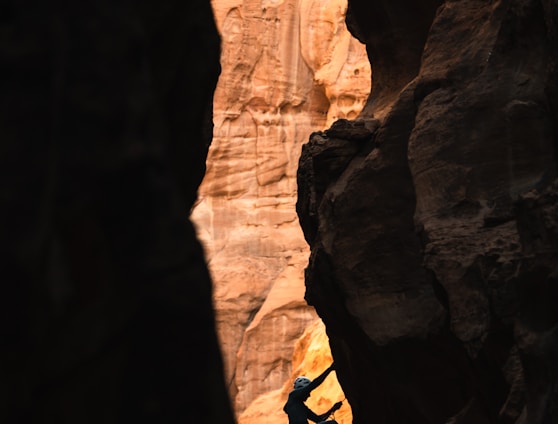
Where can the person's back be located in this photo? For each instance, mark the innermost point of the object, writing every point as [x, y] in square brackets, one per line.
[296, 409]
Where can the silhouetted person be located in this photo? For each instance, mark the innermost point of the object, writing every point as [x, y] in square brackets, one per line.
[295, 407]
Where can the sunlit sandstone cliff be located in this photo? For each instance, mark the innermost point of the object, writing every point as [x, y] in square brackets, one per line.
[433, 218]
[288, 68]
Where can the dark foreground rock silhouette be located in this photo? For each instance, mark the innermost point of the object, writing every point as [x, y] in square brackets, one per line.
[105, 297]
[433, 220]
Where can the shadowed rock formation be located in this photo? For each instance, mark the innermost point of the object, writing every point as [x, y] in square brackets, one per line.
[105, 296]
[432, 217]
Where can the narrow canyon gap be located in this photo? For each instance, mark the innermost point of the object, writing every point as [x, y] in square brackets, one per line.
[289, 68]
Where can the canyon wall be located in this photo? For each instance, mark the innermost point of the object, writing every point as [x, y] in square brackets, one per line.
[432, 218]
[106, 300]
[288, 68]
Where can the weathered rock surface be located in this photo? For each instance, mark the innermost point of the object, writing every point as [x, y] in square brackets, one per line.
[434, 251]
[288, 68]
[105, 295]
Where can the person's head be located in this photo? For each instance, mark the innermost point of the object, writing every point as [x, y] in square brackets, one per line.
[301, 382]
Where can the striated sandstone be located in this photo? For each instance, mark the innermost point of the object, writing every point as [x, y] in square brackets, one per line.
[288, 68]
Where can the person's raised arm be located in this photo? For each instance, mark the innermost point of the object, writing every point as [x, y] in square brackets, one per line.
[320, 379]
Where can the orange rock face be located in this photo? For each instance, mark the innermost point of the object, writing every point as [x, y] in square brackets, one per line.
[288, 68]
[311, 356]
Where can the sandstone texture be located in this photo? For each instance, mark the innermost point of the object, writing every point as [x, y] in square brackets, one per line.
[106, 299]
[288, 68]
[432, 218]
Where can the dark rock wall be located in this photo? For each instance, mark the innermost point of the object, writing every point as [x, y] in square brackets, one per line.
[105, 297]
[432, 218]
[397, 27]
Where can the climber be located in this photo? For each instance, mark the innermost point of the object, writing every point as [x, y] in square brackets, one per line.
[295, 407]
